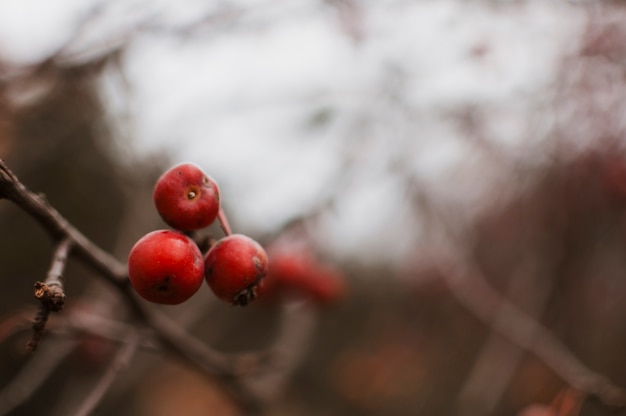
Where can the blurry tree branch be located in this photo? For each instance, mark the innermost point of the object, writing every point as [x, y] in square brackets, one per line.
[34, 373]
[298, 321]
[470, 287]
[168, 333]
[50, 293]
[120, 362]
[499, 358]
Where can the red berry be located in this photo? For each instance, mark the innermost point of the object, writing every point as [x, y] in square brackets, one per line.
[165, 267]
[234, 268]
[300, 273]
[186, 198]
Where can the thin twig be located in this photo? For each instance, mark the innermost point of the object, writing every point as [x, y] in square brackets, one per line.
[170, 335]
[499, 358]
[298, 321]
[120, 362]
[33, 374]
[50, 293]
[470, 288]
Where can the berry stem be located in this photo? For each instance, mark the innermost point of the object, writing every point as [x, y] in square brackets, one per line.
[221, 217]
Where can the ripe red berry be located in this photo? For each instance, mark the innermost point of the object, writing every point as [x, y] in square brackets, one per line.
[234, 268]
[299, 273]
[165, 267]
[187, 198]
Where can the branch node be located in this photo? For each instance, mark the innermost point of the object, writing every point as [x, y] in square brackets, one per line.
[50, 295]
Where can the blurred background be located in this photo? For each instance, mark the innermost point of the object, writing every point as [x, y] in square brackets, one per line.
[383, 135]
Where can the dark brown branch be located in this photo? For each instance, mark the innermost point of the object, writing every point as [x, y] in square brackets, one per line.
[50, 293]
[39, 327]
[103, 327]
[58, 227]
[170, 335]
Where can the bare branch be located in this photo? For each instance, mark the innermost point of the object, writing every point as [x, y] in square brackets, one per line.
[298, 321]
[33, 374]
[170, 335]
[120, 362]
[470, 288]
[50, 293]
[499, 358]
[58, 227]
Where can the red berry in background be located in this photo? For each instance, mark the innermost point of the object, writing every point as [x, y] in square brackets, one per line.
[299, 273]
[165, 267]
[186, 198]
[234, 268]
[537, 410]
[615, 175]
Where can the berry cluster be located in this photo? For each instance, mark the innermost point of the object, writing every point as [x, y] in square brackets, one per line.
[167, 267]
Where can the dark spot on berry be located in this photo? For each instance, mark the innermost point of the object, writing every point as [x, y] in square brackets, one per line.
[246, 296]
[191, 195]
[205, 181]
[164, 287]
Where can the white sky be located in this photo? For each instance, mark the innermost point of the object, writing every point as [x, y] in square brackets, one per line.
[238, 97]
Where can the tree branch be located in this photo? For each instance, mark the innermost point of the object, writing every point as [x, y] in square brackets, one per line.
[120, 362]
[50, 293]
[169, 334]
[470, 288]
[33, 374]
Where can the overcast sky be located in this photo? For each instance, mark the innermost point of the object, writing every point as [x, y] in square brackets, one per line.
[271, 95]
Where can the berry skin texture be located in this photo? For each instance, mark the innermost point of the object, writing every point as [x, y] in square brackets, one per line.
[165, 267]
[186, 198]
[234, 268]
